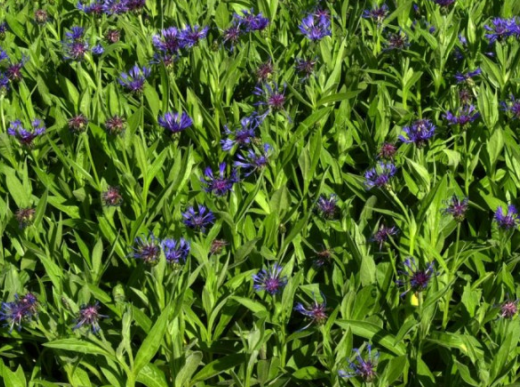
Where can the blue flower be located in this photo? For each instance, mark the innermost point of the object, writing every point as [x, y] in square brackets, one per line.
[465, 115]
[457, 208]
[231, 36]
[250, 21]
[176, 251]
[460, 77]
[89, 315]
[377, 14]
[380, 175]
[3, 55]
[17, 312]
[198, 219]
[147, 249]
[74, 46]
[95, 8]
[274, 98]
[14, 69]
[26, 136]
[242, 136]
[270, 280]
[175, 122]
[305, 67]
[383, 234]
[134, 80]
[416, 279]
[253, 160]
[115, 7]
[219, 184]
[169, 41]
[327, 207]
[444, 3]
[396, 41]
[135, 5]
[512, 107]
[315, 28]
[98, 49]
[418, 133]
[501, 29]
[507, 220]
[365, 369]
[192, 35]
[316, 311]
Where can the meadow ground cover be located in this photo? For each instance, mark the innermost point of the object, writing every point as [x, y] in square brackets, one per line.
[259, 193]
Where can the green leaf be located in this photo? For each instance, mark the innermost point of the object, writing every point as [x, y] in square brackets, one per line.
[218, 366]
[186, 372]
[79, 346]
[151, 376]
[309, 373]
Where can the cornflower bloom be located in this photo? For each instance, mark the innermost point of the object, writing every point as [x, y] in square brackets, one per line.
[396, 41]
[418, 133]
[270, 280]
[305, 67]
[191, 35]
[501, 29]
[95, 8]
[242, 136]
[316, 311]
[17, 312]
[176, 251]
[315, 28]
[198, 219]
[507, 220]
[417, 280]
[254, 160]
[512, 107]
[4, 84]
[115, 125]
[509, 309]
[112, 197]
[74, 46]
[467, 77]
[3, 55]
[466, 114]
[134, 80]
[175, 122]
[14, 69]
[377, 14]
[219, 184]
[459, 54]
[456, 208]
[147, 249]
[113, 36]
[380, 175]
[232, 35]
[444, 3]
[365, 369]
[135, 5]
[274, 98]
[89, 315]
[217, 246]
[25, 217]
[115, 7]
[41, 17]
[327, 207]
[78, 123]
[25, 136]
[264, 71]
[250, 21]
[169, 41]
[98, 49]
[383, 235]
[387, 151]
[465, 97]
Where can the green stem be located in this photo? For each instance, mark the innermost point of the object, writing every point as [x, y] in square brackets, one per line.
[453, 269]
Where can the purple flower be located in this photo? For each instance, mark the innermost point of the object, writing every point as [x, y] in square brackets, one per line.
[509, 309]
[305, 67]
[507, 220]
[75, 34]
[253, 160]
[74, 46]
[134, 80]
[3, 55]
[199, 219]
[219, 184]
[387, 151]
[444, 3]
[175, 122]
[147, 249]
[264, 71]
[242, 136]
[327, 207]
[466, 114]
[377, 14]
[98, 49]
[270, 280]
[112, 197]
[365, 369]
[231, 36]
[14, 69]
[135, 5]
[4, 84]
[115, 7]
[190, 36]
[316, 311]
[315, 28]
[512, 107]
[115, 125]
[416, 279]
[95, 8]
[274, 98]
[78, 123]
[383, 234]
[250, 21]
[465, 96]
[460, 77]
[396, 41]
[456, 208]
[169, 41]
[501, 29]
[176, 251]
[89, 315]
[418, 133]
[17, 312]
[25, 136]
[25, 217]
[380, 175]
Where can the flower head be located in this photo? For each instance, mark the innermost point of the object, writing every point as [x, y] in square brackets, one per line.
[112, 197]
[253, 160]
[380, 175]
[507, 220]
[192, 35]
[219, 184]
[377, 14]
[315, 311]
[464, 116]
[74, 45]
[198, 219]
[147, 249]
[364, 369]
[112, 36]
[98, 49]
[467, 77]
[115, 125]
[89, 315]
[465, 97]
[41, 17]
[134, 80]
[383, 235]
[95, 8]
[115, 7]
[327, 207]
[25, 217]
[416, 279]
[176, 251]
[16, 312]
[264, 71]
[26, 136]
[251, 22]
[305, 67]
[501, 29]
[418, 133]
[273, 98]
[387, 151]
[456, 208]
[444, 3]
[14, 69]
[175, 122]
[397, 41]
[78, 123]
[315, 28]
[231, 36]
[217, 246]
[509, 309]
[135, 5]
[242, 136]
[512, 107]
[270, 280]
